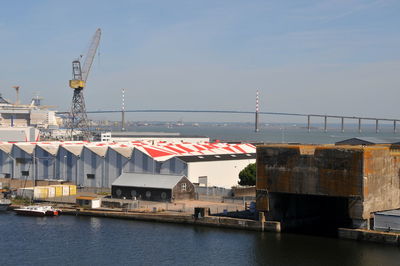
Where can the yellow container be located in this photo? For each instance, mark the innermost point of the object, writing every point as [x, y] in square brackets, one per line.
[59, 190]
[51, 192]
[72, 190]
[65, 189]
[40, 193]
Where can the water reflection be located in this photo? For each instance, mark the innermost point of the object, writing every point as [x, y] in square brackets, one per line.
[95, 224]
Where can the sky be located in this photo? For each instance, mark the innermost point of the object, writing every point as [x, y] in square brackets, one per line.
[337, 57]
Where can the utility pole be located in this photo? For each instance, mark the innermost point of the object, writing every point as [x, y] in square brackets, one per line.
[123, 111]
[256, 129]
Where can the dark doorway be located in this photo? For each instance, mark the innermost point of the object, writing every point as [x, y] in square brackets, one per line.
[320, 215]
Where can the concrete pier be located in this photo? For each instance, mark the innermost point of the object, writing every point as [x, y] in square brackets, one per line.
[184, 218]
[370, 236]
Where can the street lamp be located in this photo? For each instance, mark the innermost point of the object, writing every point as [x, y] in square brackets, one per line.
[65, 168]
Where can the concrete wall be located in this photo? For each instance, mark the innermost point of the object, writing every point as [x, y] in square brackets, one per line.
[367, 177]
[219, 173]
[381, 180]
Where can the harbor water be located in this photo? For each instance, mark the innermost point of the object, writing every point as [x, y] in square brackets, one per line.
[274, 133]
[70, 240]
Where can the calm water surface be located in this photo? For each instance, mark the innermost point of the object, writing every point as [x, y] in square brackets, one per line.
[277, 134]
[70, 240]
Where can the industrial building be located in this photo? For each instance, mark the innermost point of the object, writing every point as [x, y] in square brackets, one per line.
[368, 141]
[209, 170]
[174, 137]
[17, 134]
[98, 164]
[152, 187]
[327, 185]
[24, 115]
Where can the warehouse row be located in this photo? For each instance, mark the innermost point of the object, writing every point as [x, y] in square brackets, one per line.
[98, 164]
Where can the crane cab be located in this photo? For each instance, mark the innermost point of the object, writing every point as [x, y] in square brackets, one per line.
[76, 84]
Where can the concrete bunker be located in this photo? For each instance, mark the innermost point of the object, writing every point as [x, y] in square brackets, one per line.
[328, 186]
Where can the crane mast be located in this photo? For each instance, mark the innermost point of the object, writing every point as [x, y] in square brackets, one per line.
[78, 122]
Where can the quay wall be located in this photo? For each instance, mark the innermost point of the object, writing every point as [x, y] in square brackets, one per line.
[213, 221]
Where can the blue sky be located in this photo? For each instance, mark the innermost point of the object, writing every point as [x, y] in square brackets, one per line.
[336, 57]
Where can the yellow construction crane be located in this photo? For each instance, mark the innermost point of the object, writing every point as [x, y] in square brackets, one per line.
[78, 117]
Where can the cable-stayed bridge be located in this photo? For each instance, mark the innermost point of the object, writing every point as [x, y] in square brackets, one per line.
[342, 118]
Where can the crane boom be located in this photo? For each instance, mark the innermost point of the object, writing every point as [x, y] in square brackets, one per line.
[91, 54]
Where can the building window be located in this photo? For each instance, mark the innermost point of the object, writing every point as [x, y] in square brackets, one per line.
[163, 195]
[25, 173]
[7, 175]
[118, 192]
[22, 160]
[133, 193]
[203, 180]
[90, 176]
[183, 187]
[148, 194]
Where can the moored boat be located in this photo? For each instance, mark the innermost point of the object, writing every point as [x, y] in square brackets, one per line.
[4, 203]
[36, 210]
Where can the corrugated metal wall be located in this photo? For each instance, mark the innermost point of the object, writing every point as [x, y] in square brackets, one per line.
[6, 164]
[23, 162]
[115, 162]
[45, 164]
[69, 166]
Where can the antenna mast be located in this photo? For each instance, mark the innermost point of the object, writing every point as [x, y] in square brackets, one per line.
[256, 129]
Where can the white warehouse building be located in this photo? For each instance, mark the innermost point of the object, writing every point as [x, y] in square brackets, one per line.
[214, 170]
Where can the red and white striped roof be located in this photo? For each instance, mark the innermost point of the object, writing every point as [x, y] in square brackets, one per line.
[158, 150]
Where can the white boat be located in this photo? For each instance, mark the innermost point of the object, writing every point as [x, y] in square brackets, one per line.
[4, 203]
[37, 210]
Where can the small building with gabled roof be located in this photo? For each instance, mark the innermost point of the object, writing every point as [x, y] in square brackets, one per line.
[368, 141]
[152, 187]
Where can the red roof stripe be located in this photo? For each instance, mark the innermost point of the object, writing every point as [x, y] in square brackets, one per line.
[174, 149]
[184, 148]
[228, 149]
[239, 148]
[156, 153]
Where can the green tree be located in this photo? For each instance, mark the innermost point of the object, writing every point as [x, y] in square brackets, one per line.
[247, 177]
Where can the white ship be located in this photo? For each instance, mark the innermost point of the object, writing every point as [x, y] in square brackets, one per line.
[22, 122]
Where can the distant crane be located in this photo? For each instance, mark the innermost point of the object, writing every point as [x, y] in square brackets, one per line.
[17, 92]
[78, 121]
